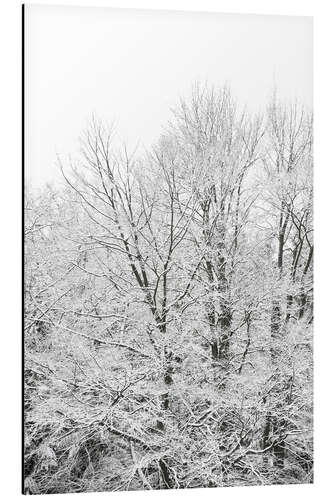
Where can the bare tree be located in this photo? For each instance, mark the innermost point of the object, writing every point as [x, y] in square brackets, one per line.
[175, 289]
[219, 146]
[288, 198]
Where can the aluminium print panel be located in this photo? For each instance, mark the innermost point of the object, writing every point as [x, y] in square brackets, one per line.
[168, 250]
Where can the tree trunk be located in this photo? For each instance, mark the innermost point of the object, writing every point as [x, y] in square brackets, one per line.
[290, 299]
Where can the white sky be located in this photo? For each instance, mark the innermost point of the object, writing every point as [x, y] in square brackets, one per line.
[130, 67]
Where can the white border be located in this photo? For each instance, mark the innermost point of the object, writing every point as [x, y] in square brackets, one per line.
[10, 243]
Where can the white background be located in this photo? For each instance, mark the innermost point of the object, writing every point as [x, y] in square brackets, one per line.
[129, 67]
[10, 244]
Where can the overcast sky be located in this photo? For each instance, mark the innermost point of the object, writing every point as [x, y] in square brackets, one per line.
[130, 67]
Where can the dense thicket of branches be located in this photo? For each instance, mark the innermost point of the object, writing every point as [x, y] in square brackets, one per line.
[168, 307]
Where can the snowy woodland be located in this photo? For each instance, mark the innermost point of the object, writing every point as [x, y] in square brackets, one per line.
[169, 305]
